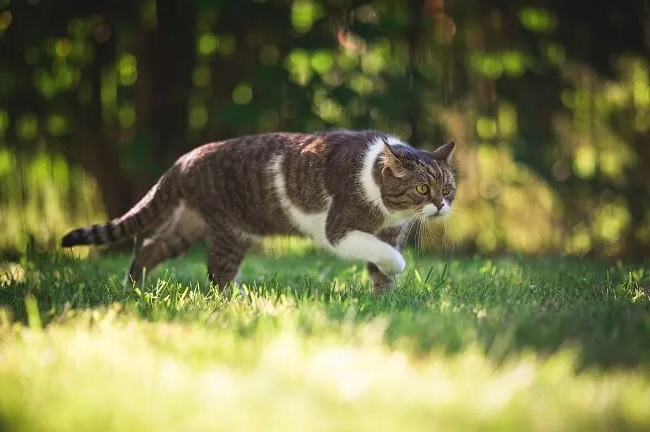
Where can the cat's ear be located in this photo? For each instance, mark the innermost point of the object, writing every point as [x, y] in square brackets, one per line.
[392, 162]
[445, 152]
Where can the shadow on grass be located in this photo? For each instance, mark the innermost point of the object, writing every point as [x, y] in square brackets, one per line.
[502, 306]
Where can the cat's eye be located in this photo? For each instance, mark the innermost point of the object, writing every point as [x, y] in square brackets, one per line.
[446, 190]
[422, 189]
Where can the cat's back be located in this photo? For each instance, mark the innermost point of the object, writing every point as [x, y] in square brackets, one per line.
[264, 182]
[336, 144]
[321, 162]
[262, 147]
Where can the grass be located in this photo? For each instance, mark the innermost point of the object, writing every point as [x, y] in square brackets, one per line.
[549, 344]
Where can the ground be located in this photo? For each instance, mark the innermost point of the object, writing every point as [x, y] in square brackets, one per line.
[463, 343]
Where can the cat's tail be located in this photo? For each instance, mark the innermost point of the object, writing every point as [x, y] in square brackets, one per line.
[138, 219]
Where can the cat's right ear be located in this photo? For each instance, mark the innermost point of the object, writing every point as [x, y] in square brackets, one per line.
[445, 152]
[392, 163]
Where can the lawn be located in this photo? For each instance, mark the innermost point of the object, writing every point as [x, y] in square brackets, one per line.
[463, 343]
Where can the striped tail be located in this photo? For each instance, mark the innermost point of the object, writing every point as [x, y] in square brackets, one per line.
[138, 219]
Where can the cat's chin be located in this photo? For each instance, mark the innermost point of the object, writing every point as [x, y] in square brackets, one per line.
[430, 211]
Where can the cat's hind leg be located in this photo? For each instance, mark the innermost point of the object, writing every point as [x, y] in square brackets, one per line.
[174, 237]
[225, 252]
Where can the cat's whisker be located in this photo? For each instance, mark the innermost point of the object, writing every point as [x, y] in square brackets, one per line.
[409, 227]
[431, 231]
[416, 226]
[457, 213]
[423, 234]
[418, 234]
[435, 239]
[448, 233]
[413, 225]
[444, 234]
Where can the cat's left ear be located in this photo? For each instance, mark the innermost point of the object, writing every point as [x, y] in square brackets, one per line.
[445, 152]
[392, 162]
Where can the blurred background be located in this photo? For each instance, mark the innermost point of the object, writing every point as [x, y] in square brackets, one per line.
[548, 100]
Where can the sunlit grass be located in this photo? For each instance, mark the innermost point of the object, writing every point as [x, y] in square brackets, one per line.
[462, 344]
[41, 196]
[100, 372]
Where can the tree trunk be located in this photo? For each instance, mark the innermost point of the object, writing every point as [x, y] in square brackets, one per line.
[416, 8]
[173, 59]
[94, 146]
[165, 55]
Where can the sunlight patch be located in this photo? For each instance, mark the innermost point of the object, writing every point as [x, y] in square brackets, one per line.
[11, 273]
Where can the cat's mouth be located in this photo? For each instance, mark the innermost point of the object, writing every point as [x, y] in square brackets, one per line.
[431, 211]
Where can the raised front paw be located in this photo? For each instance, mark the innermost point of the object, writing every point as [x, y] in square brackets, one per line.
[392, 265]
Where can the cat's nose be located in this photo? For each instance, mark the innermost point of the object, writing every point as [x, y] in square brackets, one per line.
[439, 205]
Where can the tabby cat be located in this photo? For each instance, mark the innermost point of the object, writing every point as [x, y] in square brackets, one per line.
[353, 192]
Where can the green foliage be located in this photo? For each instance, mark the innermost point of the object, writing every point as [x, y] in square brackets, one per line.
[39, 197]
[303, 14]
[539, 20]
[534, 109]
[466, 344]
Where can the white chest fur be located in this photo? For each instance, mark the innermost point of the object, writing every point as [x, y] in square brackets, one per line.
[313, 224]
[308, 224]
[369, 186]
[356, 245]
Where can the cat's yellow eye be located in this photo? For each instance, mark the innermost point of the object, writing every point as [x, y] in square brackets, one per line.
[446, 190]
[422, 189]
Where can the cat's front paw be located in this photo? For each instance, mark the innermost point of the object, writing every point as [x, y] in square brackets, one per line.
[392, 265]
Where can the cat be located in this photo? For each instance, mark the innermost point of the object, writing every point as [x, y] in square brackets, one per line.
[354, 193]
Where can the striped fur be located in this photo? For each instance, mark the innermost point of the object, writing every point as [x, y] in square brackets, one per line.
[353, 192]
[138, 219]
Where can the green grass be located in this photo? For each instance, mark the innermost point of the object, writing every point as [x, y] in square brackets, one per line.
[548, 344]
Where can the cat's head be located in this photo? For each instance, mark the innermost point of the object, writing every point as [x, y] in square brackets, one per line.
[418, 182]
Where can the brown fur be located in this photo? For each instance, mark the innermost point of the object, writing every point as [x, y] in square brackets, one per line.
[223, 193]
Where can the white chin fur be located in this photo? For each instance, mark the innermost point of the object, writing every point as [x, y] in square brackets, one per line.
[430, 210]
